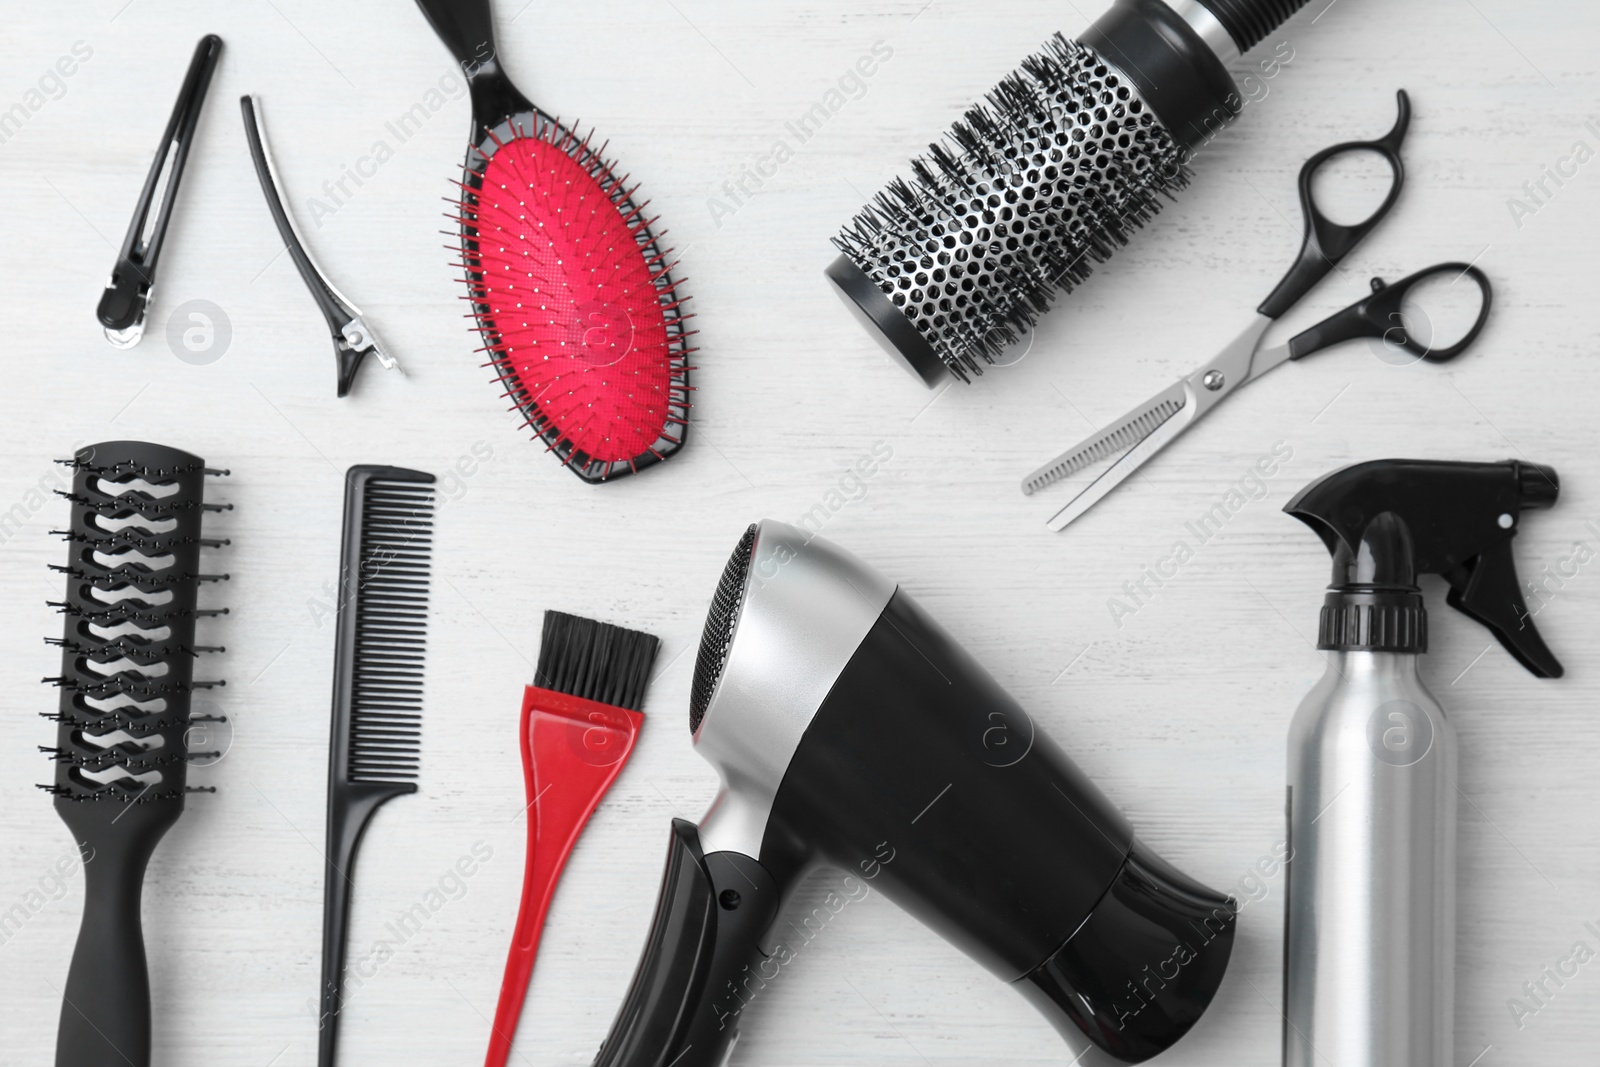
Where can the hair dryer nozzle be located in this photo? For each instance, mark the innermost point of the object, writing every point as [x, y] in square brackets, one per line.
[1145, 964]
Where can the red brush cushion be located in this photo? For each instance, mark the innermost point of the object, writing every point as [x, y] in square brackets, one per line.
[578, 314]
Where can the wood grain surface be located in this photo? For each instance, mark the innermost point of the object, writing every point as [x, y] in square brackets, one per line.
[1178, 709]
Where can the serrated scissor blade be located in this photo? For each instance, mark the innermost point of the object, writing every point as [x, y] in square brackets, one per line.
[1124, 433]
[1154, 441]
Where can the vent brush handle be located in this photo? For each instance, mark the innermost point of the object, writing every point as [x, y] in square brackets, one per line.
[105, 1015]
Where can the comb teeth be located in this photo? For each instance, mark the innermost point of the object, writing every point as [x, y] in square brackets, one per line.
[595, 660]
[383, 622]
[128, 647]
[1048, 176]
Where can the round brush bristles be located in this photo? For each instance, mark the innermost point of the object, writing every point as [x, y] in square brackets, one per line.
[579, 313]
[1045, 178]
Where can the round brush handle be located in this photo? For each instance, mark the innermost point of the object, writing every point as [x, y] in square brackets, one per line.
[699, 969]
[1249, 21]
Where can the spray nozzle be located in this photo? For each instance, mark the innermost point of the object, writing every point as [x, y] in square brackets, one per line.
[1387, 521]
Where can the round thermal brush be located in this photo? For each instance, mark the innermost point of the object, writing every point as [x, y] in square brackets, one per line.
[1047, 176]
[570, 289]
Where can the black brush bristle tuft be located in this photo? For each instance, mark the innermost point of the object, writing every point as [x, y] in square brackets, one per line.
[595, 660]
[1031, 188]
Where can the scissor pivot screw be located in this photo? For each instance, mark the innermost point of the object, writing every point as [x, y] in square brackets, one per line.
[1213, 380]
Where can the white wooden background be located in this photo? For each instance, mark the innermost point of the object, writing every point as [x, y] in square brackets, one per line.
[1179, 713]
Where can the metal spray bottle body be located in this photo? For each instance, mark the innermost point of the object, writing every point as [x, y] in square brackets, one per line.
[1369, 975]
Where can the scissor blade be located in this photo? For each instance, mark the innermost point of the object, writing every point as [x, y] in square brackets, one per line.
[1153, 442]
[1126, 431]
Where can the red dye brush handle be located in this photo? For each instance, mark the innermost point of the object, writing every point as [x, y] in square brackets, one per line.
[572, 750]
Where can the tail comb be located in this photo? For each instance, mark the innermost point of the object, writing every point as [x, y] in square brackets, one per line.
[374, 750]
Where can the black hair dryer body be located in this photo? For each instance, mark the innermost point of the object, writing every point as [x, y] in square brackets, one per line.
[851, 731]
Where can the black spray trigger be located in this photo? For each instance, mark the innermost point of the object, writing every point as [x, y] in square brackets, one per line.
[1387, 521]
[1487, 589]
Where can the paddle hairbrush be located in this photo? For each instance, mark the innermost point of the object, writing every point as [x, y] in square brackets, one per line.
[122, 747]
[572, 292]
[580, 720]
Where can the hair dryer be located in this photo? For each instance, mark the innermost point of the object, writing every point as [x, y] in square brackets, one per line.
[848, 727]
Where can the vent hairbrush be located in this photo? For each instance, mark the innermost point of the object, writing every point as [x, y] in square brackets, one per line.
[572, 292]
[128, 656]
[1049, 175]
[374, 748]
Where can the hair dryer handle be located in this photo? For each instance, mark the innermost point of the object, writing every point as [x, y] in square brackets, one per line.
[695, 976]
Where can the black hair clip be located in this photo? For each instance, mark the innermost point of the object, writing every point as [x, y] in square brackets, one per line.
[127, 295]
[353, 339]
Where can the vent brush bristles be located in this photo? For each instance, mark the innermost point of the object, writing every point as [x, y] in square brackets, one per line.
[1047, 176]
[128, 656]
[375, 743]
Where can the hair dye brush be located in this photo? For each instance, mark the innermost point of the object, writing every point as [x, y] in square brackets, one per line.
[851, 731]
[579, 723]
[1047, 176]
[122, 747]
[572, 292]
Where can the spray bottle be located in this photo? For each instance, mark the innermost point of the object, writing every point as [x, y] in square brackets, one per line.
[1369, 955]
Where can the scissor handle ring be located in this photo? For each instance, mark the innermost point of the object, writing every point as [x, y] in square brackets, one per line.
[1382, 311]
[1326, 242]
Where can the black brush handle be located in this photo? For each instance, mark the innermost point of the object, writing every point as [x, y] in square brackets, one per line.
[105, 1009]
[1249, 21]
[350, 808]
[467, 28]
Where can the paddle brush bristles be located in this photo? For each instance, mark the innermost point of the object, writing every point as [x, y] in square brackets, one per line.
[595, 660]
[574, 297]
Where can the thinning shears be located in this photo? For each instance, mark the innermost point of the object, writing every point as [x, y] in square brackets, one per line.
[1153, 425]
